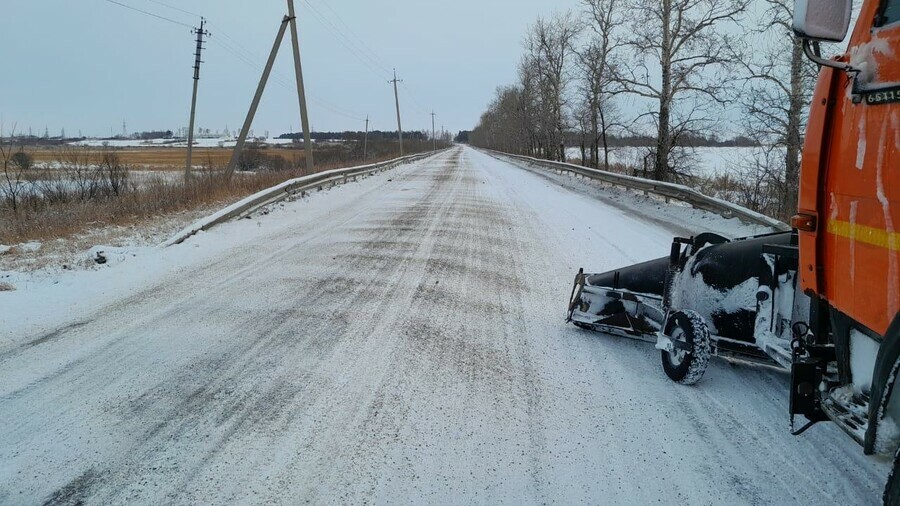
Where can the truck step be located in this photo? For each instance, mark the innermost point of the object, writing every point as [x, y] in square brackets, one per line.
[850, 410]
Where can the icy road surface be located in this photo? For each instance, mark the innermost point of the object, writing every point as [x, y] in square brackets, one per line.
[396, 340]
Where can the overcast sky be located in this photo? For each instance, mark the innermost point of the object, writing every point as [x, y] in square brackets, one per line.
[87, 65]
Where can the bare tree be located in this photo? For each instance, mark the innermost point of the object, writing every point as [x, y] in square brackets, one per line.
[82, 175]
[23, 160]
[502, 126]
[115, 173]
[13, 172]
[598, 63]
[776, 97]
[754, 177]
[687, 40]
[549, 47]
[529, 107]
[581, 114]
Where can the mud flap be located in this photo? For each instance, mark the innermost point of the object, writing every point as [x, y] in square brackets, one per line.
[807, 369]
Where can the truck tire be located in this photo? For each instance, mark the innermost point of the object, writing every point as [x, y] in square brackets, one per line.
[685, 367]
[892, 489]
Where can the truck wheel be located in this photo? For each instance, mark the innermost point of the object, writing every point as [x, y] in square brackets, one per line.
[682, 366]
[892, 490]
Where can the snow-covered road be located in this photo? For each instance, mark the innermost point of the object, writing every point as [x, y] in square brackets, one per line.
[399, 340]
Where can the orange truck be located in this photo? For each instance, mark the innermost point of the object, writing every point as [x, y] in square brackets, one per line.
[822, 300]
[846, 366]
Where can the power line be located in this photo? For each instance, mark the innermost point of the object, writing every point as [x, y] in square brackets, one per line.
[413, 97]
[334, 109]
[366, 47]
[244, 55]
[179, 9]
[344, 40]
[359, 51]
[280, 79]
[234, 42]
[248, 57]
[157, 16]
[247, 60]
[231, 45]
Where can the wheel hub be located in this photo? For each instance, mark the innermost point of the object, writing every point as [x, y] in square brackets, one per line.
[677, 355]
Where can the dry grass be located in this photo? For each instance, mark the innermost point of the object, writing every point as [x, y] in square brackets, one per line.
[168, 158]
[70, 252]
[6, 287]
[40, 220]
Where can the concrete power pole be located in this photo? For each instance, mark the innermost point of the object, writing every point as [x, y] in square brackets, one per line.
[289, 20]
[201, 32]
[397, 101]
[254, 105]
[433, 138]
[301, 91]
[366, 142]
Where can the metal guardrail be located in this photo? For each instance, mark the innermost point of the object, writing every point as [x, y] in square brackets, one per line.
[667, 190]
[284, 190]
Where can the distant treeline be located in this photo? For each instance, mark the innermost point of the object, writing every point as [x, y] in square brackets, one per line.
[33, 140]
[695, 141]
[155, 134]
[355, 136]
[375, 135]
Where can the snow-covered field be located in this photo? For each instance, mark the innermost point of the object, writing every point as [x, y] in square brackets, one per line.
[57, 180]
[223, 142]
[707, 161]
[399, 339]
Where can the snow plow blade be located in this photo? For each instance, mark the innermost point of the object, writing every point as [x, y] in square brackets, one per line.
[729, 285]
[627, 300]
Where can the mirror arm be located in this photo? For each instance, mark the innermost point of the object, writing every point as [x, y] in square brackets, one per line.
[825, 62]
[817, 49]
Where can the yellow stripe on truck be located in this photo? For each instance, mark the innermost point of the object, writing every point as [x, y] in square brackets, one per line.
[868, 235]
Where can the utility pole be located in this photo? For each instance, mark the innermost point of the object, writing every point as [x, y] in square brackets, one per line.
[289, 20]
[301, 91]
[433, 138]
[397, 101]
[254, 105]
[200, 32]
[366, 142]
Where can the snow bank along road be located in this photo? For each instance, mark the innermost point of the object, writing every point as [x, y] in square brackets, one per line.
[399, 340]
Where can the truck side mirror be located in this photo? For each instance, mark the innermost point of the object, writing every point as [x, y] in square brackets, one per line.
[822, 20]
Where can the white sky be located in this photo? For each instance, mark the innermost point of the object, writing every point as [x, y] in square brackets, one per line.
[88, 64]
